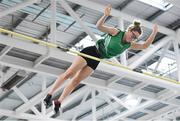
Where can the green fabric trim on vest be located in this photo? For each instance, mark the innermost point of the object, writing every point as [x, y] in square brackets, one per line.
[111, 46]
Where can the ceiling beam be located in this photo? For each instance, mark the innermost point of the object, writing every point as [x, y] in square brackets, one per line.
[17, 7]
[154, 15]
[120, 7]
[40, 50]
[78, 20]
[124, 4]
[82, 35]
[117, 13]
[27, 116]
[51, 53]
[47, 32]
[58, 54]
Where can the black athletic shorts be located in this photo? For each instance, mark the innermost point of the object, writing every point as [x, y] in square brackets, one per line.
[91, 50]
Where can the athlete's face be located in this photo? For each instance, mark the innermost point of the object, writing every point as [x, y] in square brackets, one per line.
[132, 35]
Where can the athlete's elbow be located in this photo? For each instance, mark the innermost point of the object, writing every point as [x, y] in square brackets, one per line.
[144, 46]
[98, 26]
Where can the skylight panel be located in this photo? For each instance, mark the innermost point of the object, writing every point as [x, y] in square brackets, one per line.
[166, 65]
[161, 4]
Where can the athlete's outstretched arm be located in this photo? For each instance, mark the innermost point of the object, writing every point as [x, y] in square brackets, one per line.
[100, 23]
[136, 46]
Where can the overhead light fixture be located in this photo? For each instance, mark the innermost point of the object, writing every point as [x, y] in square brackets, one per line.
[165, 67]
[132, 101]
[161, 4]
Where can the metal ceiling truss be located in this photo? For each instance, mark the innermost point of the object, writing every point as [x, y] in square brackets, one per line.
[109, 85]
[44, 69]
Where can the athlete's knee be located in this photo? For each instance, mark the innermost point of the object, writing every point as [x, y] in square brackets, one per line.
[69, 73]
